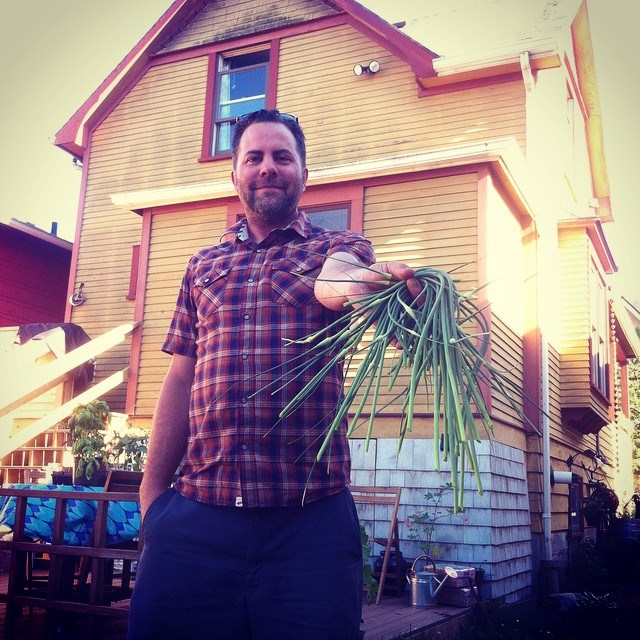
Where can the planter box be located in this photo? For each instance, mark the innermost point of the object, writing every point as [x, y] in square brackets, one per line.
[458, 597]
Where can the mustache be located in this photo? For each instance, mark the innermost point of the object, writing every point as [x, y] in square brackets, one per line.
[261, 184]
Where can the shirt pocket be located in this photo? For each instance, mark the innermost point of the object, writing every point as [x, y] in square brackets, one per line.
[293, 281]
[208, 291]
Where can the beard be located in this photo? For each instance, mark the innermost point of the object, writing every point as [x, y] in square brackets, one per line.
[282, 205]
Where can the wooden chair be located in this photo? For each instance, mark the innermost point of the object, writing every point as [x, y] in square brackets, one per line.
[120, 481]
[389, 496]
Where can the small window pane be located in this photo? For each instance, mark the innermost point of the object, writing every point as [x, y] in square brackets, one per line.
[245, 60]
[223, 139]
[332, 219]
[233, 109]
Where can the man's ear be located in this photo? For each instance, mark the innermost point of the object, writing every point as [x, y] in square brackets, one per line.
[233, 178]
[305, 175]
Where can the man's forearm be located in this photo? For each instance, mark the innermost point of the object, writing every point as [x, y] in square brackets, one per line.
[169, 435]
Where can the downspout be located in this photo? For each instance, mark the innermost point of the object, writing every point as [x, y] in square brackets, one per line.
[545, 235]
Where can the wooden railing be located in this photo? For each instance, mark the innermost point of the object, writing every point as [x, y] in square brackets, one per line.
[48, 376]
[60, 593]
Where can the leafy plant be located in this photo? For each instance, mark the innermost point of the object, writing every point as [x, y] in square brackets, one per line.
[422, 524]
[370, 583]
[87, 425]
[128, 450]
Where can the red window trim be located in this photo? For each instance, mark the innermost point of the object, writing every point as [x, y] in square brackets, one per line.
[133, 273]
[206, 154]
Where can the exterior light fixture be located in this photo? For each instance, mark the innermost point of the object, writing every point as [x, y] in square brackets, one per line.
[372, 67]
[596, 456]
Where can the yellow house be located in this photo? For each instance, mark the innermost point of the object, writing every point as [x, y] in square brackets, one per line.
[454, 140]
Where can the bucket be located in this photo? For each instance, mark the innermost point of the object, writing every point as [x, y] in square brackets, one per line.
[425, 584]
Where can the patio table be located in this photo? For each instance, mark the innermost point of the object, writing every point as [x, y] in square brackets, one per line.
[123, 518]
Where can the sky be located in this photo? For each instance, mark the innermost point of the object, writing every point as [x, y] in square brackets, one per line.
[56, 52]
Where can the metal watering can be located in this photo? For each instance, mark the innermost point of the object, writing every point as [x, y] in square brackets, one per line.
[425, 585]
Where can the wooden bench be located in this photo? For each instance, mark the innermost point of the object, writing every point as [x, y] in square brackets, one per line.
[389, 496]
[59, 594]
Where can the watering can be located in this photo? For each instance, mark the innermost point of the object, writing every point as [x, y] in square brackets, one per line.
[425, 584]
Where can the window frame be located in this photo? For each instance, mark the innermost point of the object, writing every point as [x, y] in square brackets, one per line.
[134, 272]
[210, 128]
[599, 333]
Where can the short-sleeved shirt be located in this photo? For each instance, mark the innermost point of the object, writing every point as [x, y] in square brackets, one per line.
[238, 306]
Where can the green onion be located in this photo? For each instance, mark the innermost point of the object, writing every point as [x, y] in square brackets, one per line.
[435, 351]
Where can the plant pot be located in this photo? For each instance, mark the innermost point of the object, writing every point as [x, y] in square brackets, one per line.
[98, 478]
[62, 477]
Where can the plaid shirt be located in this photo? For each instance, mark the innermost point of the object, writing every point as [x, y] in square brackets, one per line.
[237, 302]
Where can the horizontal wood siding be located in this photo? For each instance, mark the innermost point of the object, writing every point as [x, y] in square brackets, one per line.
[151, 139]
[226, 19]
[348, 118]
[33, 279]
[575, 378]
[507, 357]
[554, 393]
[430, 222]
[175, 237]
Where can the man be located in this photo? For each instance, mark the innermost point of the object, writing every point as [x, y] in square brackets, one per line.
[256, 540]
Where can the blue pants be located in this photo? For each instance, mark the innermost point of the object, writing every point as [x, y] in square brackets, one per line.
[224, 573]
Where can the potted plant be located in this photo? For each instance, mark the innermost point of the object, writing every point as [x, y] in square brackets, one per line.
[370, 583]
[129, 450]
[87, 427]
[422, 524]
[601, 503]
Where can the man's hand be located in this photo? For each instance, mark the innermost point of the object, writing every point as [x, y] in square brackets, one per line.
[344, 279]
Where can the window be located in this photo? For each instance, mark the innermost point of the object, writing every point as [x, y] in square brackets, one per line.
[599, 339]
[133, 272]
[333, 218]
[240, 87]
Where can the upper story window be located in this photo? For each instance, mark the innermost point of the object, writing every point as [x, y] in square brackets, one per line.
[240, 87]
[599, 319]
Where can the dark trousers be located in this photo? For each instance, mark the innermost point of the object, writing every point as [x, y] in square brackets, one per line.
[224, 573]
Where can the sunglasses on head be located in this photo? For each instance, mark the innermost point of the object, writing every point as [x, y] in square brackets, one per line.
[251, 114]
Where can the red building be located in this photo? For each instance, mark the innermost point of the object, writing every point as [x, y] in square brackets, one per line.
[34, 272]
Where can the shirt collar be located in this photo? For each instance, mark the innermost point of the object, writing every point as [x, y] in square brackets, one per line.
[300, 225]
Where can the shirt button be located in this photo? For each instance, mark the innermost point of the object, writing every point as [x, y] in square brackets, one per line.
[246, 316]
[298, 269]
[258, 250]
[244, 447]
[244, 400]
[244, 356]
[206, 280]
[250, 280]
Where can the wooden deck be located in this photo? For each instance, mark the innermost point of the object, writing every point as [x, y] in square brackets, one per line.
[390, 619]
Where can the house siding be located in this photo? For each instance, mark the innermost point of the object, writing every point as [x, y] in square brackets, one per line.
[429, 222]
[33, 279]
[495, 530]
[227, 19]
[348, 118]
[151, 139]
[575, 374]
[174, 238]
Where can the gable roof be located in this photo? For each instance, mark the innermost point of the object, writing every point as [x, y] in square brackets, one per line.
[442, 42]
[72, 136]
[40, 236]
